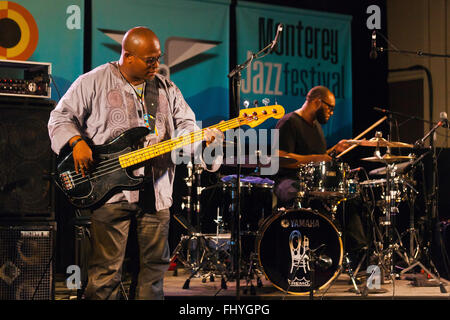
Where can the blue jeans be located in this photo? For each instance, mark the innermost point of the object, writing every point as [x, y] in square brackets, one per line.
[110, 226]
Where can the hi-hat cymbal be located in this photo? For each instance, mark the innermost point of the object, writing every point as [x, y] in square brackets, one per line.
[380, 142]
[264, 161]
[388, 158]
[397, 168]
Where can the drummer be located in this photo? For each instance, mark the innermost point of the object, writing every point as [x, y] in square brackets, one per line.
[301, 134]
[302, 138]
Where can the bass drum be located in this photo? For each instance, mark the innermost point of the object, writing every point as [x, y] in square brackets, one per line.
[283, 246]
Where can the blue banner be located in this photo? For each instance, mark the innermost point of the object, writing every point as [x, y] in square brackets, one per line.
[314, 49]
[47, 31]
[194, 38]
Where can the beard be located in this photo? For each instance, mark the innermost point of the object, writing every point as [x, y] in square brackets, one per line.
[321, 116]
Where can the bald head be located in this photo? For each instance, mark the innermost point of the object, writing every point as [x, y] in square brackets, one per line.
[138, 39]
[140, 55]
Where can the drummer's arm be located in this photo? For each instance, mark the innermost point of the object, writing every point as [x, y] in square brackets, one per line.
[339, 147]
[303, 159]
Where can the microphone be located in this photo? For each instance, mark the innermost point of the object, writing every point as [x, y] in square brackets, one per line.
[324, 262]
[381, 110]
[443, 122]
[277, 35]
[373, 50]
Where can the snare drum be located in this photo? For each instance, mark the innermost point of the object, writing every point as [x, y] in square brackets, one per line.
[283, 245]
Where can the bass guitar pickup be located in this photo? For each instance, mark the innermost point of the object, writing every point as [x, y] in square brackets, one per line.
[67, 180]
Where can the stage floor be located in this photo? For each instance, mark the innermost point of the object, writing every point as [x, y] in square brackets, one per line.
[201, 288]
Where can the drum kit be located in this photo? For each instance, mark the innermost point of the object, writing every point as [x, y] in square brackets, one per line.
[301, 250]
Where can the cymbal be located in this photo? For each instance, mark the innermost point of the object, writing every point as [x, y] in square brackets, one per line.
[382, 171]
[264, 161]
[387, 158]
[380, 142]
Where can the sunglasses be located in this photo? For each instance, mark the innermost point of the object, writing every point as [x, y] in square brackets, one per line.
[149, 61]
[328, 105]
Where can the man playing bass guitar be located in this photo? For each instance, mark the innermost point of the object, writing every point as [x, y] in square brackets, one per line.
[100, 106]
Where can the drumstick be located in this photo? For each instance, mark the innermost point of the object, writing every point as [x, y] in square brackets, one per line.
[360, 135]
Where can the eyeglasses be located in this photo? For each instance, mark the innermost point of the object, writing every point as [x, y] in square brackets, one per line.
[149, 61]
[328, 105]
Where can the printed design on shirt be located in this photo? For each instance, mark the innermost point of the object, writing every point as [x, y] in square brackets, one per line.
[118, 121]
[299, 260]
[114, 98]
[117, 115]
[131, 112]
[115, 132]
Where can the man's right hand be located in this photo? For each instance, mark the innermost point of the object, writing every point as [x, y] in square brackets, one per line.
[321, 157]
[82, 156]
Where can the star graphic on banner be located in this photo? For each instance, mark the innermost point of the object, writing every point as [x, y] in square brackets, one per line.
[179, 52]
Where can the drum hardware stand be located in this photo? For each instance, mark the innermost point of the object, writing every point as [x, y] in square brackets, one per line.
[414, 242]
[386, 259]
[252, 271]
[346, 261]
[395, 247]
[202, 255]
[434, 207]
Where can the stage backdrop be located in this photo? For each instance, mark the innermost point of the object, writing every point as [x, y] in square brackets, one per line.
[314, 49]
[45, 31]
[194, 38]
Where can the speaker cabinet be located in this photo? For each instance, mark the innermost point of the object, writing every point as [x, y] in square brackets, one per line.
[26, 160]
[26, 264]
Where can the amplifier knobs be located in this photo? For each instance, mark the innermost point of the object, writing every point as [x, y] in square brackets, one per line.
[32, 87]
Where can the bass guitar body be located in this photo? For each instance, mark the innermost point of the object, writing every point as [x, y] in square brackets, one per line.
[107, 177]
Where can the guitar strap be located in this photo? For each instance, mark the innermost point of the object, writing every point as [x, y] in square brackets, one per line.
[151, 104]
[151, 98]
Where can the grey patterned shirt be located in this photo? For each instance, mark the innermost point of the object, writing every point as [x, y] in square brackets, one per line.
[101, 104]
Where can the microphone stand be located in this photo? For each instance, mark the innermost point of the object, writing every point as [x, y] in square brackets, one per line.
[418, 52]
[235, 76]
[400, 114]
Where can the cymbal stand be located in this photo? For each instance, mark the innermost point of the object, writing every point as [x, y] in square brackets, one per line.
[383, 247]
[414, 245]
[434, 212]
[414, 242]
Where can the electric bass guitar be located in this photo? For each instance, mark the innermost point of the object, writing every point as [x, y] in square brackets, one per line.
[115, 161]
